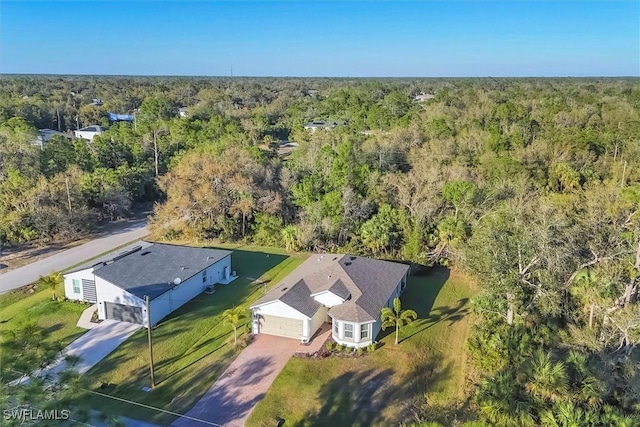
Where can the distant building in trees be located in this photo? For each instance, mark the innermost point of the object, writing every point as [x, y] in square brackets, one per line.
[320, 124]
[89, 132]
[423, 97]
[44, 136]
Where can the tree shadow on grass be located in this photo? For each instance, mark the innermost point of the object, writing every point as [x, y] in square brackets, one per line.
[451, 314]
[359, 398]
[353, 399]
[171, 361]
[420, 295]
[427, 373]
[48, 330]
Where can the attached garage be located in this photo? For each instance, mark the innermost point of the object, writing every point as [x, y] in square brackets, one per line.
[281, 326]
[124, 313]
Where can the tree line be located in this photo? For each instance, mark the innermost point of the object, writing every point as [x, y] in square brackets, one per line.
[532, 185]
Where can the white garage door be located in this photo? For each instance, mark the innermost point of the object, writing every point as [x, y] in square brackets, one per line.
[281, 326]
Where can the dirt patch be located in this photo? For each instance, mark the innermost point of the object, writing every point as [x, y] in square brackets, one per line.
[20, 255]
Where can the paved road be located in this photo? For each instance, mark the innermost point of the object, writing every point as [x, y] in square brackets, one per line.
[111, 238]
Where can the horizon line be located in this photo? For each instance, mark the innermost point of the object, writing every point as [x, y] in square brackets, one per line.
[323, 77]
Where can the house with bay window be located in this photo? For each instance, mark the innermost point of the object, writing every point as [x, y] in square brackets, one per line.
[345, 290]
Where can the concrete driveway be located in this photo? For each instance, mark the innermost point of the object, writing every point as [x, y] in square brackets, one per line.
[95, 345]
[232, 398]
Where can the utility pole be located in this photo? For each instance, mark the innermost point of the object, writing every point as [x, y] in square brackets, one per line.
[66, 181]
[146, 301]
[155, 150]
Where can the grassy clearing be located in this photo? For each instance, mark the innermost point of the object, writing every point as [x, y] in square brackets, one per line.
[379, 388]
[191, 348]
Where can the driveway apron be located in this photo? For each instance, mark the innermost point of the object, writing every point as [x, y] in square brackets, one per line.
[232, 398]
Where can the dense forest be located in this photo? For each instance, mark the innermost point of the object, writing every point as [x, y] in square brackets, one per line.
[530, 185]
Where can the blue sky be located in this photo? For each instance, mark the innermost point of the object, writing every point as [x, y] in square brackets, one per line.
[331, 38]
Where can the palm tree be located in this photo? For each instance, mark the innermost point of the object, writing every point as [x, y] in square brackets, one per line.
[233, 316]
[503, 402]
[548, 380]
[51, 281]
[586, 279]
[290, 237]
[397, 317]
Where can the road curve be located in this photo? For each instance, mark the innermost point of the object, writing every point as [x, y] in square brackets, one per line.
[109, 239]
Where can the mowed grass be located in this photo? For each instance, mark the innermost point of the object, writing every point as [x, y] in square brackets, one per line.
[191, 348]
[56, 319]
[379, 388]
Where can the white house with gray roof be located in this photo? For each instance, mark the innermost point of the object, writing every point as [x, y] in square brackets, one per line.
[169, 275]
[345, 290]
[89, 132]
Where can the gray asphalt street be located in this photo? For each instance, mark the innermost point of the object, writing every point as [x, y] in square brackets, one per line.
[111, 238]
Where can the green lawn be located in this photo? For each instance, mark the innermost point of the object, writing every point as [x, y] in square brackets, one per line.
[57, 319]
[191, 348]
[376, 389]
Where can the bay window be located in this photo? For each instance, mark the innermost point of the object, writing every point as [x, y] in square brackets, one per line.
[348, 331]
[364, 331]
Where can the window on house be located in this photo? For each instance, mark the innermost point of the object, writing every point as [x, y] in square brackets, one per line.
[76, 286]
[364, 331]
[336, 328]
[204, 276]
[348, 330]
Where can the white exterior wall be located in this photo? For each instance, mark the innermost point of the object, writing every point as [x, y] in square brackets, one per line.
[86, 134]
[108, 292]
[86, 274]
[356, 341]
[328, 299]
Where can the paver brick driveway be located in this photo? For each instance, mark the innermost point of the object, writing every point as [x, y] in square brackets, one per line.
[230, 400]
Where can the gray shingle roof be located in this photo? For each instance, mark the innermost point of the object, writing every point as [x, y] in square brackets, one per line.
[369, 283]
[152, 270]
[109, 257]
[297, 297]
[340, 289]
